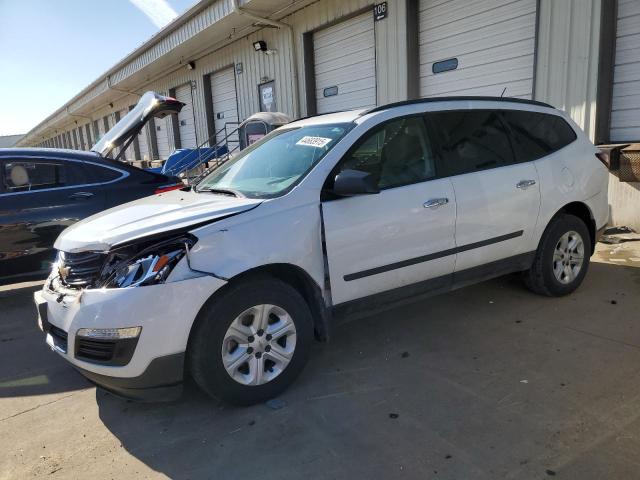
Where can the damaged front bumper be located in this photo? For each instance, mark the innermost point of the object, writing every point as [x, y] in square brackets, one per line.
[149, 366]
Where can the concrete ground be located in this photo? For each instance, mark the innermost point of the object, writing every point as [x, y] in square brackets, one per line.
[486, 382]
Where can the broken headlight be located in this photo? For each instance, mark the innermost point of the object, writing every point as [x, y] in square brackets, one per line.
[144, 263]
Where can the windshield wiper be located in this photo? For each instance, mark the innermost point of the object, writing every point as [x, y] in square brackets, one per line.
[221, 191]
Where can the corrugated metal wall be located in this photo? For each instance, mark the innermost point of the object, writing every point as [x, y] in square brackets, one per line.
[567, 59]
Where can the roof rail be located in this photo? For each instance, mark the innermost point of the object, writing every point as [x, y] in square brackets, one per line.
[455, 98]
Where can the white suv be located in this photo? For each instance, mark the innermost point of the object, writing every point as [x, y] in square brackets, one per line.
[228, 281]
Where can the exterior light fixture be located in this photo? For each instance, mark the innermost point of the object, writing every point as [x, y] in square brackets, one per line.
[260, 46]
[191, 65]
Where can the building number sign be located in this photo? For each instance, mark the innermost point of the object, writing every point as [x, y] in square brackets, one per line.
[380, 11]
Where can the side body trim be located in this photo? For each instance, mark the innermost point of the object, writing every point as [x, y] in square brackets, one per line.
[431, 256]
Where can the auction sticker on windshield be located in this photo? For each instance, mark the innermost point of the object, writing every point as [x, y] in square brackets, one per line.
[313, 141]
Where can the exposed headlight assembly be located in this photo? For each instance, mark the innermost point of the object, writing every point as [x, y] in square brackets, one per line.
[147, 264]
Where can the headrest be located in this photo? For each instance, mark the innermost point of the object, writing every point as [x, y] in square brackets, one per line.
[19, 176]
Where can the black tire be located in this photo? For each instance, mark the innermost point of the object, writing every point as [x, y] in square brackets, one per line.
[205, 346]
[540, 278]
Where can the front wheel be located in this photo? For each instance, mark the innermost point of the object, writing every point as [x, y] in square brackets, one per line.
[251, 343]
[562, 259]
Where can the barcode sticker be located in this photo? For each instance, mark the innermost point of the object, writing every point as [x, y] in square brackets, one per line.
[317, 142]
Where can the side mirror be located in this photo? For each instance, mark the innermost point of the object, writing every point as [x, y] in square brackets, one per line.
[355, 182]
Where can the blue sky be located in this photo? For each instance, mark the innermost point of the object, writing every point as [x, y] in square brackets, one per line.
[52, 49]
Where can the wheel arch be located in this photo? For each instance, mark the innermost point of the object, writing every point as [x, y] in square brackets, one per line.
[583, 212]
[294, 276]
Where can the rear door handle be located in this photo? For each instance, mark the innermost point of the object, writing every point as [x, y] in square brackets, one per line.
[435, 203]
[81, 195]
[524, 184]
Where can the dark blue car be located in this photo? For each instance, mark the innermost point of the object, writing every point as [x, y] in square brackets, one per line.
[43, 191]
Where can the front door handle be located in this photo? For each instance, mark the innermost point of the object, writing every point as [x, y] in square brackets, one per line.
[81, 196]
[524, 184]
[435, 203]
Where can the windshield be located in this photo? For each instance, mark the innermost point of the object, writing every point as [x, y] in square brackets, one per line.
[272, 166]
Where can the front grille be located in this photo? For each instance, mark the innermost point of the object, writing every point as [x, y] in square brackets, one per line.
[80, 269]
[59, 337]
[94, 350]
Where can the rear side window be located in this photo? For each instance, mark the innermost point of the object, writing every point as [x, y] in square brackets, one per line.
[20, 176]
[471, 140]
[536, 135]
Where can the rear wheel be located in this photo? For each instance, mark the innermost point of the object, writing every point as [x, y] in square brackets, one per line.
[252, 342]
[562, 259]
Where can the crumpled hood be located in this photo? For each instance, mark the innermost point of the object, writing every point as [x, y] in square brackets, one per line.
[148, 216]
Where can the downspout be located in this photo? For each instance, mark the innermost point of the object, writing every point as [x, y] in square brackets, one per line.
[292, 38]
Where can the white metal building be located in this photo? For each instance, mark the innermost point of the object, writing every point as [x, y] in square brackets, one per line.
[318, 56]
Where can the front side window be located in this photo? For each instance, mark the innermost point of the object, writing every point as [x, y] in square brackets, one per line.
[397, 153]
[472, 140]
[538, 134]
[276, 163]
[21, 176]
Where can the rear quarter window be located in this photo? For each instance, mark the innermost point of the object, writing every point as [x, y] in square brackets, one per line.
[536, 135]
[102, 174]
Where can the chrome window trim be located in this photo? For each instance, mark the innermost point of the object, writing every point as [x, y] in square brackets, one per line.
[124, 174]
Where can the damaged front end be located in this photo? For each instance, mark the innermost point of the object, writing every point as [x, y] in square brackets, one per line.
[140, 263]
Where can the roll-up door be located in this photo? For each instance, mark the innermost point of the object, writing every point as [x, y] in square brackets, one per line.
[225, 104]
[162, 137]
[479, 47]
[344, 58]
[625, 104]
[143, 142]
[101, 130]
[81, 139]
[186, 123]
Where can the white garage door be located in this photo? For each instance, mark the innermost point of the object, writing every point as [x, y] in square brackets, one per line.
[143, 143]
[225, 104]
[185, 117]
[162, 137]
[625, 106]
[345, 65]
[492, 42]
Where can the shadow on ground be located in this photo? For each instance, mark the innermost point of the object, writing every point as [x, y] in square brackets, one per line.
[27, 365]
[489, 381]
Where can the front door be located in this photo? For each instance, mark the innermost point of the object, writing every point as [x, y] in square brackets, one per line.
[401, 236]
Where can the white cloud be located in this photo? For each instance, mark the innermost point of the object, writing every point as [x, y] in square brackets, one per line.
[158, 11]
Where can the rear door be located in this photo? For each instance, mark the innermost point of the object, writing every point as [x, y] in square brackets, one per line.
[498, 199]
[41, 197]
[403, 235]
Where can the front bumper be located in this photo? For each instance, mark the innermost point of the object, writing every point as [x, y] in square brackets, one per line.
[165, 312]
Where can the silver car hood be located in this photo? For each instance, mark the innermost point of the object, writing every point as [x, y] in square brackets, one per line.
[152, 215]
